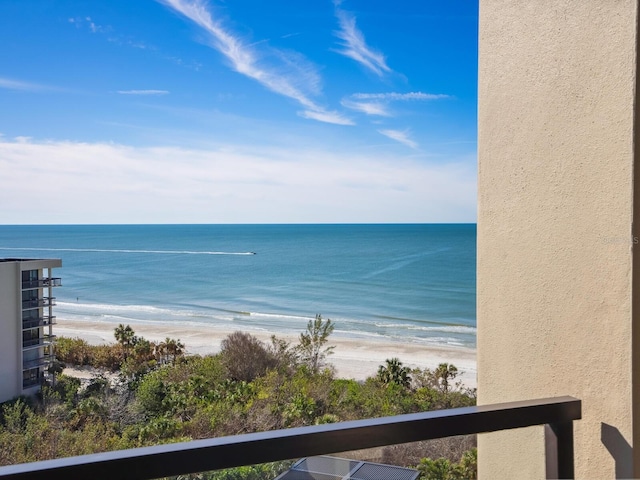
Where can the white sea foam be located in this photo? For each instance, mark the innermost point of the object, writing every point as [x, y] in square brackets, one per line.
[280, 316]
[261, 321]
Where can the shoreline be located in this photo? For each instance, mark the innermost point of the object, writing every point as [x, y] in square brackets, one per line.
[352, 358]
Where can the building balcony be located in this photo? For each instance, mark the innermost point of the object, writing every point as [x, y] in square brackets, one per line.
[38, 303]
[37, 342]
[42, 361]
[33, 382]
[41, 283]
[557, 414]
[43, 321]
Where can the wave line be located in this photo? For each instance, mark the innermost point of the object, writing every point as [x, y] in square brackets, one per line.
[104, 250]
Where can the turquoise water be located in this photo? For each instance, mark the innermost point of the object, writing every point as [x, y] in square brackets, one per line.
[407, 283]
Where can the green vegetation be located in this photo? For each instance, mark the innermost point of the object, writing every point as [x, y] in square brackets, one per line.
[161, 396]
[444, 469]
[393, 372]
[311, 350]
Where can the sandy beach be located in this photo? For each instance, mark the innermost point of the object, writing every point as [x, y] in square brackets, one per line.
[352, 358]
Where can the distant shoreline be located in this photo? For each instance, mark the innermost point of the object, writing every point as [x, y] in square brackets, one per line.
[352, 358]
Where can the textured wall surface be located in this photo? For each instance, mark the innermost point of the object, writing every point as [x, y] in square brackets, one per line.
[556, 157]
[10, 370]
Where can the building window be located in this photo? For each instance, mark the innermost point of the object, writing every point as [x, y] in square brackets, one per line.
[30, 337]
[29, 298]
[30, 278]
[31, 377]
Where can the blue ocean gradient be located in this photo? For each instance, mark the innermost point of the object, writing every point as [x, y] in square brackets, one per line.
[396, 282]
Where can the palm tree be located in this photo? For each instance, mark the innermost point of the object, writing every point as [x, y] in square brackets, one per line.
[169, 348]
[444, 374]
[394, 372]
[143, 350]
[126, 337]
[174, 348]
[161, 351]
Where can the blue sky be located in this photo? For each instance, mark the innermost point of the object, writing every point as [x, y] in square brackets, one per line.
[238, 111]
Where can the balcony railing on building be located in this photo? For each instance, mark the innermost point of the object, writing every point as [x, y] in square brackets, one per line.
[43, 360]
[43, 341]
[43, 321]
[38, 303]
[557, 414]
[41, 283]
[33, 381]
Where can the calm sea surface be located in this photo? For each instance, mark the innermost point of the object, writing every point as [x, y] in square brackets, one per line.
[407, 283]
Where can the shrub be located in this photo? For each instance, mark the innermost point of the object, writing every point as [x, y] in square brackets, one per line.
[74, 351]
[151, 393]
[106, 356]
[444, 469]
[245, 357]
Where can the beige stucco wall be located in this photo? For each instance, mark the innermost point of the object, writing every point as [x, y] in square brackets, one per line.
[555, 275]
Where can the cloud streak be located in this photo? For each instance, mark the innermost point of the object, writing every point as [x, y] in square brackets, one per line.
[10, 84]
[355, 46]
[296, 80]
[394, 96]
[143, 92]
[370, 108]
[399, 136]
[377, 103]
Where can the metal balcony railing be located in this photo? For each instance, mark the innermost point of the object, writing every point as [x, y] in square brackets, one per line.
[38, 342]
[41, 283]
[32, 382]
[42, 361]
[38, 302]
[254, 448]
[43, 321]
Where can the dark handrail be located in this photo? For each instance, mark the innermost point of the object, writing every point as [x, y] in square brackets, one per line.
[38, 302]
[41, 341]
[43, 321]
[40, 283]
[254, 448]
[42, 361]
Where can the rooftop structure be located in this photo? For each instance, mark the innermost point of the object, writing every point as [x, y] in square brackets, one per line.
[334, 468]
[26, 320]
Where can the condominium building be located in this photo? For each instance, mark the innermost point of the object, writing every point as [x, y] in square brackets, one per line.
[26, 319]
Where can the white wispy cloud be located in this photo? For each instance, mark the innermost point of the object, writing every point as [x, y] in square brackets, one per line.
[399, 136]
[90, 24]
[378, 103]
[355, 45]
[115, 183]
[394, 96]
[143, 92]
[294, 77]
[11, 84]
[370, 108]
[327, 117]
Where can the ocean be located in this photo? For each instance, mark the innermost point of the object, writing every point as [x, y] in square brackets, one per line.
[404, 283]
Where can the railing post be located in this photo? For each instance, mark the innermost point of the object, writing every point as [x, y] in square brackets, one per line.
[558, 439]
